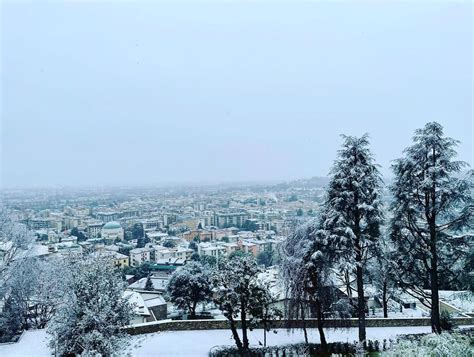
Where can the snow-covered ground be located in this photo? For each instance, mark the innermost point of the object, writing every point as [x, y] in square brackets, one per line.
[198, 343]
[396, 313]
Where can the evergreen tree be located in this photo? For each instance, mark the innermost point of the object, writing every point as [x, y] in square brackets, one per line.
[77, 233]
[188, 286]
[137, 231]
[193, 245]
[10, 320]
[352, 213]
[149, 284]
[169, 244]
[265, 258]
[432, 215]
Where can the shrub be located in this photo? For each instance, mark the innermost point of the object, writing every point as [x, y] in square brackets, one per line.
[443, 345]
[446, 321]
[299, 349]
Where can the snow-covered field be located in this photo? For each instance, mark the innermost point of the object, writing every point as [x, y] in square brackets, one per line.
[198, 343]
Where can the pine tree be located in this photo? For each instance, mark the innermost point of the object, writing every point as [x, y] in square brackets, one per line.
[432, 215]
[352, 213]
[149, 284]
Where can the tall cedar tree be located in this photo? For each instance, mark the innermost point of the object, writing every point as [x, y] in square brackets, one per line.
[432, 215]
[352, 213]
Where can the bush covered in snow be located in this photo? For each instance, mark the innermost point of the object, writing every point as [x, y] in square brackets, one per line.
[303, 349]
[442, 345]
[90, 317]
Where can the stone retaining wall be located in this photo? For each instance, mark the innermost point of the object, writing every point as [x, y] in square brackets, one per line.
[184, 325]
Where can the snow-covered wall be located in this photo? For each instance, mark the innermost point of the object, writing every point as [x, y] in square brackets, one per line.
[184, 325]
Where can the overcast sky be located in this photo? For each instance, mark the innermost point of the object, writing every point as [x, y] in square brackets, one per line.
[173, 92]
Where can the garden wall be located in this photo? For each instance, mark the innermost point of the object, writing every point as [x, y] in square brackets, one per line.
[183, 325]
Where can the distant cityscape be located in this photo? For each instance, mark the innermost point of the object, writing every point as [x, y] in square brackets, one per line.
[220, 220]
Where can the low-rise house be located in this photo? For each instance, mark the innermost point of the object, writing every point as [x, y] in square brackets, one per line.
[230, 248]
[249, 247]
[159, 283]
[67, 248]
[201, 234]
[156, 304]
[211, 249]
[141, 313]
[119, 260]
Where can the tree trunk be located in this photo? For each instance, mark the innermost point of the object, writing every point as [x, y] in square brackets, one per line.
[361, 304]
[359, 271]
[305, 332]
[193, 311]
[435, 317]
[320, 318]
[385, 300]
[236, 336]
[360, 282]
[431, 218]
[243, 320]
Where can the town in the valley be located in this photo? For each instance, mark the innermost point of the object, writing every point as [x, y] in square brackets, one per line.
[248, 258]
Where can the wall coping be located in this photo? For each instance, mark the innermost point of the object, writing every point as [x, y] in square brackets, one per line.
[220, 324]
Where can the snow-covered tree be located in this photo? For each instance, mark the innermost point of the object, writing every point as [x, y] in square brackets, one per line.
[15, 242]
[149, 283]
[10, 320]
[352, 213]
[382, 271]
[240, 295]
[35, 289]
[306, 266]
[292, 252]
[432, 215]
[190, 285]
[90, 317]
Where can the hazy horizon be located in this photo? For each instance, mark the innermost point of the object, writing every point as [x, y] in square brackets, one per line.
[141, 93]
